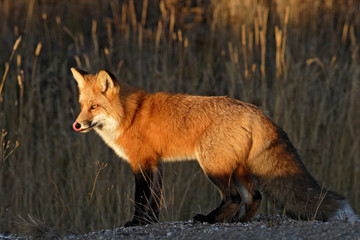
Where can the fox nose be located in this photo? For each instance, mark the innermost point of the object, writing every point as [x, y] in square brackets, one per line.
[76, 126]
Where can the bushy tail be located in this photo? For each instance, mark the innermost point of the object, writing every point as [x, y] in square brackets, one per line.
[294, 190]
[302, 198]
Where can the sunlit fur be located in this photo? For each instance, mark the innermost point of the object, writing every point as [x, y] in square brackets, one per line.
[239, 148]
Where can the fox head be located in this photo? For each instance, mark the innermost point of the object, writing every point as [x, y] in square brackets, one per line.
[99, 100]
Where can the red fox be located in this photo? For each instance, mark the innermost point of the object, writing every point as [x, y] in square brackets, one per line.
[239, 148]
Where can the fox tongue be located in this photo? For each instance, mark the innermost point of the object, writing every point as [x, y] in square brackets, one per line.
[75, 128]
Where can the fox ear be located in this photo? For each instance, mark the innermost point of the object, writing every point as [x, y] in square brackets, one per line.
[105, 80]
[78, 75]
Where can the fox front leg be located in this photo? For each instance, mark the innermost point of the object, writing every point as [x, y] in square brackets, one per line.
[148, 189]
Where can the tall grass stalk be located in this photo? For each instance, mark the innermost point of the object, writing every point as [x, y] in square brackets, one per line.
[7, 66]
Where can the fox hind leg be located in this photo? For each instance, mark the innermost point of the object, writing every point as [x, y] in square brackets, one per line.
[220, 162]
[250, 195]
[230, 201]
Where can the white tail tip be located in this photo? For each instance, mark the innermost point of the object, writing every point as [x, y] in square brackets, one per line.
[345, 213]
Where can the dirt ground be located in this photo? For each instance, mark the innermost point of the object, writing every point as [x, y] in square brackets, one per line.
[262, 227]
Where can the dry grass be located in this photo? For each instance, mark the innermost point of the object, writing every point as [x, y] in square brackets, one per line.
[299, 61]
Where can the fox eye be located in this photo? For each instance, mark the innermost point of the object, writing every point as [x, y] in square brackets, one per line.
[93, 107]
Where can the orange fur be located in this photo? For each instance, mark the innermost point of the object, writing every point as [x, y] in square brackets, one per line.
[238, 147]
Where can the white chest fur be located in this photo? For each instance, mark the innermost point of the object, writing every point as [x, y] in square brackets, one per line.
[110, 133]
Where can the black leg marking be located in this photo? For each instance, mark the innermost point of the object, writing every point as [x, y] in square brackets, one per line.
[228, 206]
[248, 209]
[148, 190]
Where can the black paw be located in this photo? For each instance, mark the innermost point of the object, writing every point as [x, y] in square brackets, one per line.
[201, 218]
[131, 223]
[136, 222]
[140, 222]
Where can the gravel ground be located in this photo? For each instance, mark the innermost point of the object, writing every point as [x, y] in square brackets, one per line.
[260, 228]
